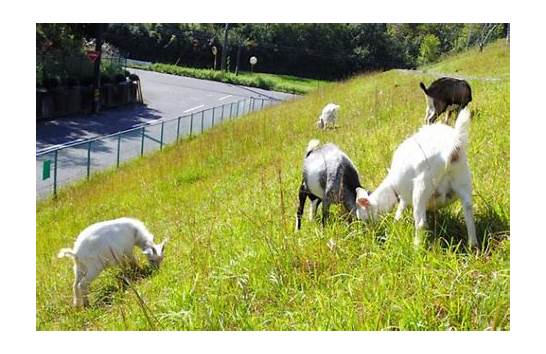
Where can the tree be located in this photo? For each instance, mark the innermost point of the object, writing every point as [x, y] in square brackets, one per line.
[429, 50]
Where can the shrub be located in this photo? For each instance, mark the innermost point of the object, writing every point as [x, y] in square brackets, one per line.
[429, 50]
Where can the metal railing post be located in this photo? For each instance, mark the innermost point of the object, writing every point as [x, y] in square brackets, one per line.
[262, 107]
[222, 117]
[178, 129]
[213, 108]
[238, 104]
[191, 125]
[55, 174]
[202, 119]
[142, 142]
[161, 139]
[89, 159]
[231, 110]
[119, 144]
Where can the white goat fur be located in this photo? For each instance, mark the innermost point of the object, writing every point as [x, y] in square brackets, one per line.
[105, 244]
[328, 115]
[428, 169]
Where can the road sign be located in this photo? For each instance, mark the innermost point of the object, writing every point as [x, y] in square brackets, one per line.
[93, 55]
[46, 171]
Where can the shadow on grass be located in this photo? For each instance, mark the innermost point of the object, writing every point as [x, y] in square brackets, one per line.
[105, 294]
[450, 229]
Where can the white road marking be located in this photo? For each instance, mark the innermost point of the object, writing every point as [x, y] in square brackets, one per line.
[223, 98]
[191, 109]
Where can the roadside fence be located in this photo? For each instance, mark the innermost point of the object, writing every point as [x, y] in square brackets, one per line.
[61, 165]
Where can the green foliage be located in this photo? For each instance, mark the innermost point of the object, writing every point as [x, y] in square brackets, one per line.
[429, 50]
[283, 83]
[326, 51]
[227, 200]
[61, 55]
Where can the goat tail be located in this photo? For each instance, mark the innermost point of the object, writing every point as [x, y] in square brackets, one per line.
[66, 252]
[423, 87]
[461, 137]
[311, 146]
[461, 127]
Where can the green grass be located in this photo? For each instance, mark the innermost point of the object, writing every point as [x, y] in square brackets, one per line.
[283, 83]
[227, 200]
[492, 62]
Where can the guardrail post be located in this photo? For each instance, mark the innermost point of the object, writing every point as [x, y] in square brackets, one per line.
[55, 174]
[161, 139]
[231, 110]
[142, 142]
[191, 125]
[178, 129]
[202, 119]
[262, 107]
[89, 159]
[238, 103]
[213, 109]
[222, 117]
[119, 144]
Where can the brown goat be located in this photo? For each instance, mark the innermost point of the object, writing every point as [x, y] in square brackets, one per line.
[445, 94]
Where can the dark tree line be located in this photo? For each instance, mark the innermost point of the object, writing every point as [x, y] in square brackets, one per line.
[329, 51]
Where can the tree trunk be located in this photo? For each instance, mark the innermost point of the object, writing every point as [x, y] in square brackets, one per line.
[238, 60]
[96, 85]
[224, 49]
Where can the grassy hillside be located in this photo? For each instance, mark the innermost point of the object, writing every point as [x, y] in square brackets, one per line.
[228, 198]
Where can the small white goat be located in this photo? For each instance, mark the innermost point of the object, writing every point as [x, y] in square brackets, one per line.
[105, 244]
[428, 170]
[328, 115]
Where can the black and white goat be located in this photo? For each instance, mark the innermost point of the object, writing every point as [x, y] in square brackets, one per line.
[329, 176]
[445, 94]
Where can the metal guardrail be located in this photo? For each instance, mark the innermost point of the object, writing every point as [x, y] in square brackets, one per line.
[61, 165]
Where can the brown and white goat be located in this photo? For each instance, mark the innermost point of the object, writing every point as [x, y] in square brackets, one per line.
[446, 94]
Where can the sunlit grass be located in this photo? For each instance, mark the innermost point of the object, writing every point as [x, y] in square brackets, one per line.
[227, 200]
[275, 82]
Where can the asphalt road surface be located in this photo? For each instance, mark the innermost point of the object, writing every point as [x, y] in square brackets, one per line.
[166, 97]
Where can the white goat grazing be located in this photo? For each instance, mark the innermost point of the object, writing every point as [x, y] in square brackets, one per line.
[428, 170]
[105, 244]
[328, 115]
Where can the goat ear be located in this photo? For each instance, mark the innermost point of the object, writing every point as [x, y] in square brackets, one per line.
[361, 193]
[162, 244]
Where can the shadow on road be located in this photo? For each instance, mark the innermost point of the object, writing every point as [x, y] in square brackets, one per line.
[62, 130]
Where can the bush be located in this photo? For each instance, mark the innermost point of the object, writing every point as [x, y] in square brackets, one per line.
[118, 78]
[429, 50]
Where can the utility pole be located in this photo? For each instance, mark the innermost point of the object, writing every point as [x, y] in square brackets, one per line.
[96, 84]
[224, 49]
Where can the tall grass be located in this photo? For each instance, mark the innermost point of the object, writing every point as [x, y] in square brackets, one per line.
[227, 199]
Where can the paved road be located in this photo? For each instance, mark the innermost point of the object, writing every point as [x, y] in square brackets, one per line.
[165, 96]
